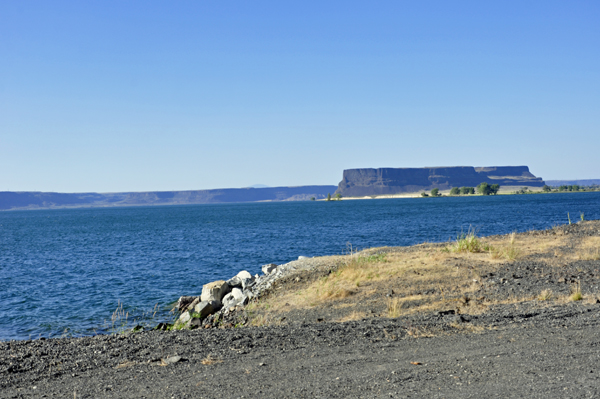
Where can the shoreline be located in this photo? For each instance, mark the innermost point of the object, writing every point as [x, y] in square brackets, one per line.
[505, 314]
[504, 190]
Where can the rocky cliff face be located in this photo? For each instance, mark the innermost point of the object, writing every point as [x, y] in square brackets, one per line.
[364, 182]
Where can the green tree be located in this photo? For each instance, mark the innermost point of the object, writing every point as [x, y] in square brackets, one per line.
[455, 191]
[494, 188]
[435, 192]
[313, 199]
[328, 197]
[424, 194]
[484, 188]
[338, 196]
[467, 190]
[546, 188]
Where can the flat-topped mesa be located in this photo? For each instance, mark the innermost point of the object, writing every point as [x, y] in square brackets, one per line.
[387, 181]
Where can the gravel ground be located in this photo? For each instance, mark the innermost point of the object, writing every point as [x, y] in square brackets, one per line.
[532, 348]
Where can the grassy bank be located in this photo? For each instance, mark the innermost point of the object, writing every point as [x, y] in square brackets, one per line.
[466, 276]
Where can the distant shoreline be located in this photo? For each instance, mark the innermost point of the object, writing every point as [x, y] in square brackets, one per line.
[506, 190]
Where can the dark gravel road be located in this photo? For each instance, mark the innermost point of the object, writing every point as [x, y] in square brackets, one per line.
[514, 351]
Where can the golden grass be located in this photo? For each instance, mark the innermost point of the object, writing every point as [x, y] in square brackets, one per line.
[353, 316]
[210, 360]
[545, 295]
[363, 276]
[576, 294]
[424, 278]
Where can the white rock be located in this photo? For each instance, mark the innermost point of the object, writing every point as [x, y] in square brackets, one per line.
[214, 291]
[237, 293]
[302, 257]
[184, 318]
[244, 274]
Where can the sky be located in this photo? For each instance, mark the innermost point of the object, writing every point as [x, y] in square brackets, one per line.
[109, 96]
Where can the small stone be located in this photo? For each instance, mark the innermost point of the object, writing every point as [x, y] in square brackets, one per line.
[172, 359]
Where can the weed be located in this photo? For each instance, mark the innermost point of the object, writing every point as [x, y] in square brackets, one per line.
[393, 307]
[210, 360]
[581, 216]
[569, 217]
[467, 243]
[576, 294]
[546, 295]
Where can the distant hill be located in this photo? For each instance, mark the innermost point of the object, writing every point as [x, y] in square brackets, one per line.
[382, 181]
[41, 200]
[585, 182]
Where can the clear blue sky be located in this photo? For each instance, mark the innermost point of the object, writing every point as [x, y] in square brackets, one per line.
[144, 95]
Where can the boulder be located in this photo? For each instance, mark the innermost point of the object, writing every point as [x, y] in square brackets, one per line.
[244, 274]
[229, 301]
[302, 257]
[206, 308]
[235, 282]
[237, 294]
[214, 291]
[195, 322]
[267, 269]
[234, 298]
[184, 318]
[193, 304]
[184, 302]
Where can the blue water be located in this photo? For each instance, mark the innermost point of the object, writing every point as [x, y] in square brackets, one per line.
[65, 271]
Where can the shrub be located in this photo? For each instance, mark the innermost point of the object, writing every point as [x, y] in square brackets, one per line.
[467, 243]
[546, 188]
[487, 189]
[435, 192]
[467, 190]
[455, 191]
[424, 194]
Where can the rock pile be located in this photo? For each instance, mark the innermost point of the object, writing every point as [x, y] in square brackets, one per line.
[222, 303]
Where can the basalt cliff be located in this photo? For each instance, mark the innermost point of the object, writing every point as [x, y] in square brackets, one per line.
[387, 181]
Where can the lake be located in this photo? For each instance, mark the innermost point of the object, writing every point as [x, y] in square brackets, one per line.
[64, 272]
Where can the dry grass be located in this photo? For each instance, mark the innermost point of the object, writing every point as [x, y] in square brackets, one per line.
[210, 360]
[545, 295]
[576, 294]
[424, 278]
[364, 276]
[467, 243]
[354, 315]
[589, 249]
[124, 364]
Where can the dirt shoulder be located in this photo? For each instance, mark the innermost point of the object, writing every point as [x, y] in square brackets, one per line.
[517, 317]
